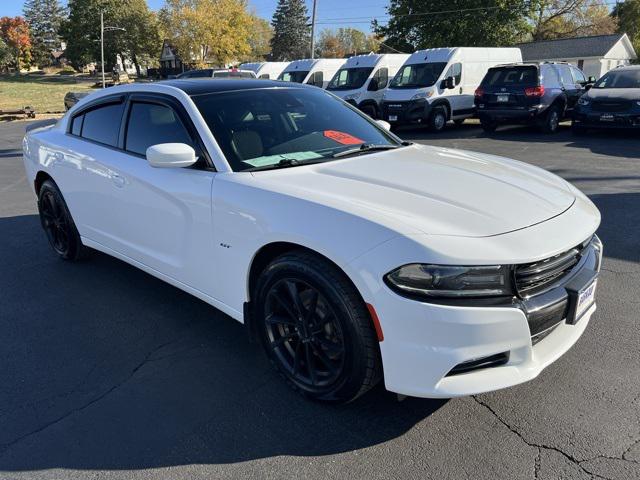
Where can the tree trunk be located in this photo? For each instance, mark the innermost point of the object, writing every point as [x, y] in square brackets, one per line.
[134, 59]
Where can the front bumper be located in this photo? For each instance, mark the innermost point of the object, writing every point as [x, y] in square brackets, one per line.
[406, 112]
[425, 344]
[608, 121]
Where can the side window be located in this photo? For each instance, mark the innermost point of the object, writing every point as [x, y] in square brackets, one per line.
[316, 79]
[550, 76]
[455, 71]
[150, 124]
[102, 124]
[76, 125]
[383, 77]
[578, 76]
[565, 75]
[264, 75]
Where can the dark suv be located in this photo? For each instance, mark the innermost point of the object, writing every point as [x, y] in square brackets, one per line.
[538, 93]
[613, 102]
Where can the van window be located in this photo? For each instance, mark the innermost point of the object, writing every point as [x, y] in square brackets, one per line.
[150, 124]
[455, 71]
[297, 76]
[316, 79]
[264, 75]
[102, 124]
[418, 75]
[511, 76]
[578, 76]
[349, 78]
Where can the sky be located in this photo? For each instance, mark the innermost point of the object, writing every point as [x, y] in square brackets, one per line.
[329, 13]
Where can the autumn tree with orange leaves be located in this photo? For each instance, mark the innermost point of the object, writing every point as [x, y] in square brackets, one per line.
[14, 32]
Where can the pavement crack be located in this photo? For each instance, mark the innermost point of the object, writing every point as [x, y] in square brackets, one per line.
[6, 446]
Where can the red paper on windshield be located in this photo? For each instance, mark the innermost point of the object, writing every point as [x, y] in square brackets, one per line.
[343, 138]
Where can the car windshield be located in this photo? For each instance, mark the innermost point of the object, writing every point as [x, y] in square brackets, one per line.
[417, 75]
[620, 79]
[273, 127]
[297, 77]
[233, 74]
[511, 76]
[349, 78]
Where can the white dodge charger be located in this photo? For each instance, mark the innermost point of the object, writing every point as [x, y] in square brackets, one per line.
[351, 256]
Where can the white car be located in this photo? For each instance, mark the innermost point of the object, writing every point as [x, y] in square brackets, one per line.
[350, 255]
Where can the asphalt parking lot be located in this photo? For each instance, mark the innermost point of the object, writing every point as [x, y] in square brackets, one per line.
[107, 372]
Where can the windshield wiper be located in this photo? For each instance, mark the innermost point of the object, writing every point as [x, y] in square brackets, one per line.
[284, 163]
[365, 147]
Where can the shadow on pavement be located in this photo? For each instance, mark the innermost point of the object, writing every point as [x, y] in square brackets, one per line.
[105, 367]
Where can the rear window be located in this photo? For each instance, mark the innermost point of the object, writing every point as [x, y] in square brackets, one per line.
[233, 74]
[297, 77]
[511, 76]
[102, 124]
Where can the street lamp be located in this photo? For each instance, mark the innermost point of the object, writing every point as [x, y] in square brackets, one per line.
[102, 30]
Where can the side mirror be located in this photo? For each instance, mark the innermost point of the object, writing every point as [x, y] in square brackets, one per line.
[373, 85]
[384, 124]
[171, 155]
[448, 83]
[592, 79]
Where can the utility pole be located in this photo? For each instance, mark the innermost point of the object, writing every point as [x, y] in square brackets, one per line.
[313, 29]
[102, 45]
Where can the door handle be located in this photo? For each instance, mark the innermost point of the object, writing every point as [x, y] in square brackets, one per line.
[118, 180]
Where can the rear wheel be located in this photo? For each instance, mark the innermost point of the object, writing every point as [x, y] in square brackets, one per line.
[58, 224]
[316, 329]
[438, 119]
[551, 121]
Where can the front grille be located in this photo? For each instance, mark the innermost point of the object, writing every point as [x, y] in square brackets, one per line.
[534, 277]
[612, 106]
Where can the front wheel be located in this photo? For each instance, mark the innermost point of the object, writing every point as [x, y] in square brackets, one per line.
[438, 119]
[371, 110]
[316, 329]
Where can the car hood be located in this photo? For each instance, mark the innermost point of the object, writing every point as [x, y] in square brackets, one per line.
[615, 93]
[431, 190]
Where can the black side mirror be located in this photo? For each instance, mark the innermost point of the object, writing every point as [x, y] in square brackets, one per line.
[448, 83]
[591, 79]
[373, 85]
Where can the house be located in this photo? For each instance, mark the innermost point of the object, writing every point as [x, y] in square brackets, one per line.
[170, 62]
[594, 55]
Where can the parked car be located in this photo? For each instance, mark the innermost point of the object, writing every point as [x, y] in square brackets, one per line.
[437, 85]
[349, 254]
[316, 72]
[217, 73]
[71, 98]
[265, 70]
[542, 94]
[613, 102]
[362, 80]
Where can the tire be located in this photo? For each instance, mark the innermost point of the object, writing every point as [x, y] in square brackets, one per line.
[488, 126]
[551, 120]
[322, 343]
[58, 224]
[459, 122]
[438, 119]
[371, 110]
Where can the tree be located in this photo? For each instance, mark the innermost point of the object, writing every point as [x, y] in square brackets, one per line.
[345, 42]
[14, 32]
[627, 14]
[329, 45]
[6, 57]
[291, 31]
[260, 36]
[45, 18]
[208, 30]
[570, 18]
[141, 37]
[417, 24]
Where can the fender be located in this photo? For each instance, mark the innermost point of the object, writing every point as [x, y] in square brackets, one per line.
[440, 102]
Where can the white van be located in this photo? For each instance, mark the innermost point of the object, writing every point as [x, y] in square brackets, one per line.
[438, 84]
[265, 70]
[313, 71]
[363, 79]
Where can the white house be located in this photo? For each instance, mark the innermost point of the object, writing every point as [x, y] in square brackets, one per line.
[594, 55]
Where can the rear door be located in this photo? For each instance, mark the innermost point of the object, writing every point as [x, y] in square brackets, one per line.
[507, 87]
[570, 87]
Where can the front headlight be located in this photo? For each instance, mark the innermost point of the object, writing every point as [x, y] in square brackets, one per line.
[425, 94]
[584, 101]
[353, 96]
[432, 281]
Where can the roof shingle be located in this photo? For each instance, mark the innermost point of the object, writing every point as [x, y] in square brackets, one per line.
[596, 46]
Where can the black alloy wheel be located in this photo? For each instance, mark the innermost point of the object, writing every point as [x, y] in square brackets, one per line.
[304, 333]
[57, 223]
[315, 328]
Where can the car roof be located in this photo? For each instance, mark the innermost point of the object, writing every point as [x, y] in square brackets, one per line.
[205, 85]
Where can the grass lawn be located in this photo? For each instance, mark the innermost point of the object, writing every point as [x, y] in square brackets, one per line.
[45, 93]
